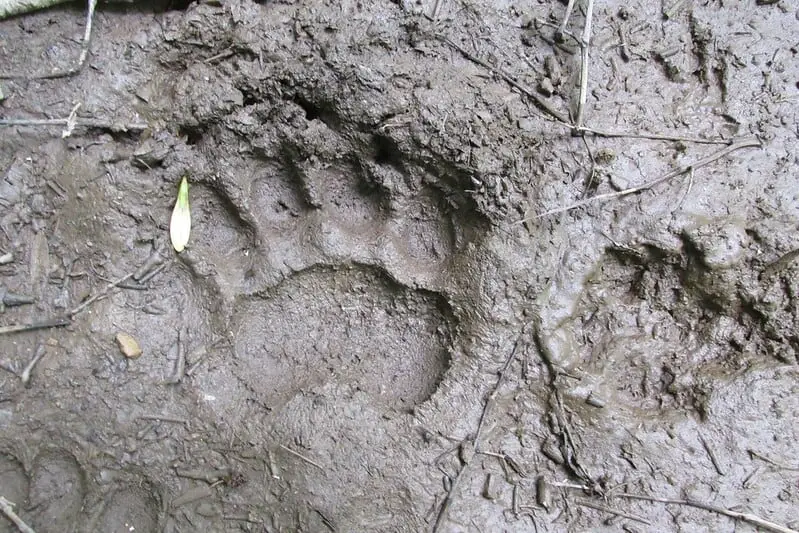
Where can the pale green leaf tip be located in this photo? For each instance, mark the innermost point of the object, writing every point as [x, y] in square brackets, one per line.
[180, 225]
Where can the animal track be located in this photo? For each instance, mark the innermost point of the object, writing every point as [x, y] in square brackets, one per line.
[130, 510]
[54, 495]
[349, 325]
[57, 489]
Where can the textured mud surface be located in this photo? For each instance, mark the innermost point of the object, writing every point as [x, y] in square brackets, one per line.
[359, 287]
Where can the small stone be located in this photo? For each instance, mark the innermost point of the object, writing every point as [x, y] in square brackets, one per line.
[128, 346]
[553, 70]
[545, 87]
[618, 182]
[526, 124]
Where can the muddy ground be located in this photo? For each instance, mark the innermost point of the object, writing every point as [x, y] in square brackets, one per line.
[379, 331]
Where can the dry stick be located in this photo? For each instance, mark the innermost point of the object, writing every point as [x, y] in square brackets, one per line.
[561, 118]
[711, 454]
[135, 127]
[71, 121]
[444, 511]
[748, 143]
[441, 518]
[598, 507]
[745, 517]
[180, 364]
[52, 323]
[566, 16]
[26, 373]
[151, 274]
[669, 13]
[99, 295]
[299, 455]
[65, 320]
[87, 36]
[541, 104]
[165, 418]
[500, 381]
[773, 463]
[584, 48]
[436, 10]
[8, 509]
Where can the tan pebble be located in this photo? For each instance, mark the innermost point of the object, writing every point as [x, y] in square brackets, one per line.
[128, 346]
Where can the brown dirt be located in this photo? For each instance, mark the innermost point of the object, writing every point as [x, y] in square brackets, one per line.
[356, 278]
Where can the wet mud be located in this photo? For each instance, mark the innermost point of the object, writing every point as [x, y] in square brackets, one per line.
[391, 316]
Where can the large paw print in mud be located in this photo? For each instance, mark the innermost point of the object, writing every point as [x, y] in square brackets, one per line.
[52, 495]
[329, 253]
[343, 325]
[685, 311]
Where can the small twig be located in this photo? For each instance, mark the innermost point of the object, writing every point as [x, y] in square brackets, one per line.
[66, 320]
[749, 479]
[8, 509]
[745, 517]
[25, 376]
[133, 286]
[436, 10]
[273, 471]
[541, 104]
[99, 295]
[585, 44]
[561, 118]
[8, 367]
[575, 486]
[669, 13]
[749, 143]
[154, 272]
[196, 364]
[599, 507]
[500, 381]
[209, 476]
[326, 521]
[221, 55]
[775, 464]
[711, 454]
[299, 455]
[180, 363]
[441, 518]
[566, 17]
[687, 189]
[154, 260]
[51, 323]
[71, 121]
[650, 136]
[84, 52]
[161, 418]
[136, 127]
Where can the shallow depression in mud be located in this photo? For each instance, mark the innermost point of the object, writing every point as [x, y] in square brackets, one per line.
[349, 326]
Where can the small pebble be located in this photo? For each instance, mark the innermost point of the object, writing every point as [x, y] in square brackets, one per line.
[128, 346]
[545, 87]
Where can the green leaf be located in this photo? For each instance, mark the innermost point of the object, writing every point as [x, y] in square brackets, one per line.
[180, 225]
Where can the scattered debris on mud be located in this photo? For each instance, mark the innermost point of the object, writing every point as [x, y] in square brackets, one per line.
[453, 266]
